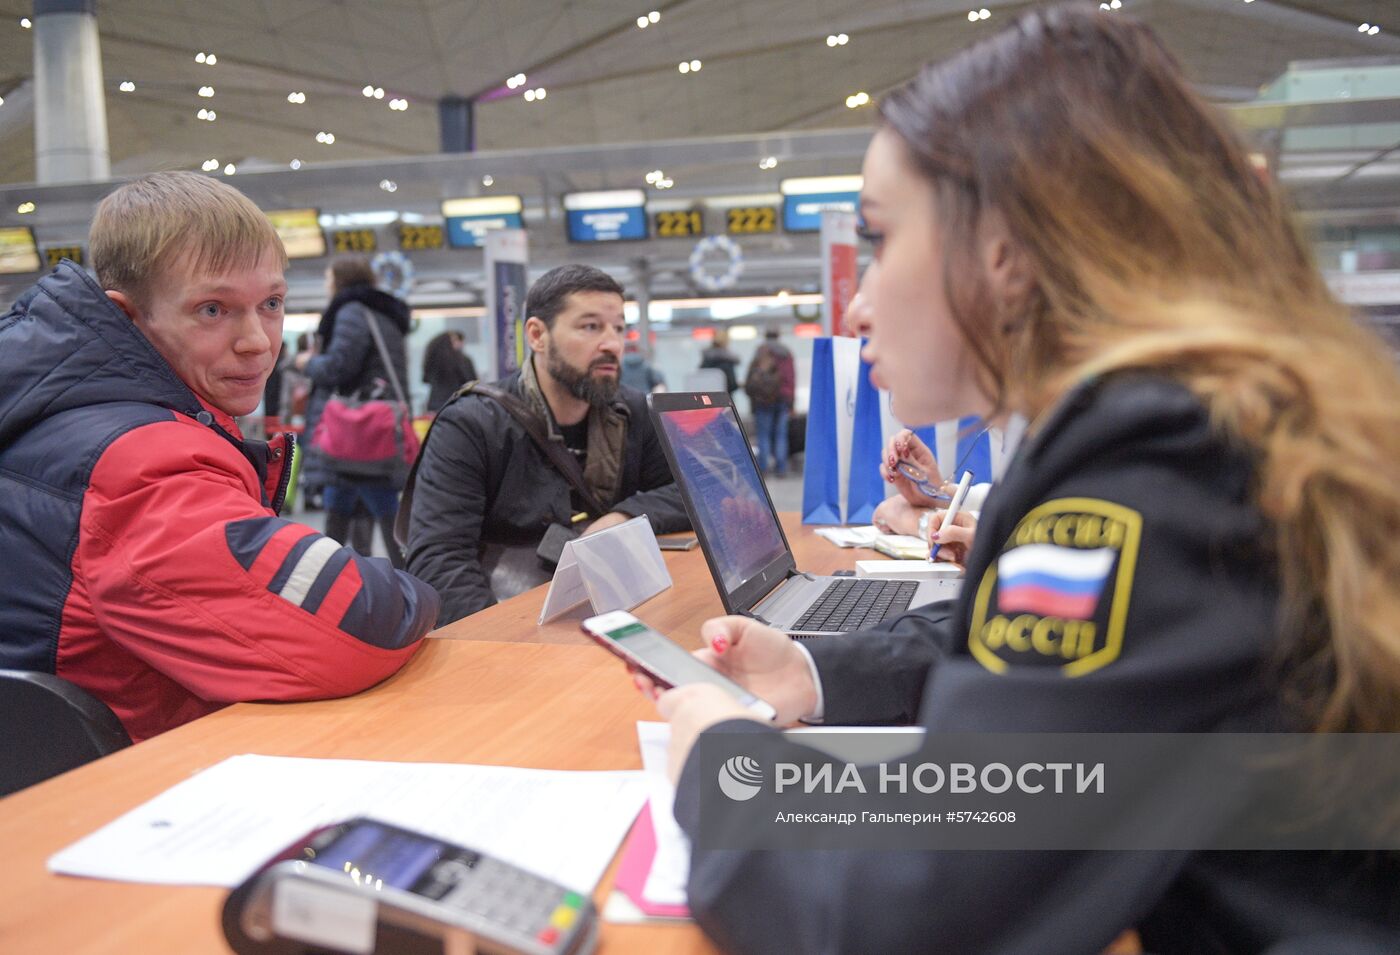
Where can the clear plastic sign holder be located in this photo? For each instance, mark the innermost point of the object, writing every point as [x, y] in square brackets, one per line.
[614, 569]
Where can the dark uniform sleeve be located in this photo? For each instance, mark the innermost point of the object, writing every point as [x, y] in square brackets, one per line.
[1146, 604]
[659, 497]
[450, 502]
[882, 673]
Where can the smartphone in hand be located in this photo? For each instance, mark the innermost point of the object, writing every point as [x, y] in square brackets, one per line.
[661, 658]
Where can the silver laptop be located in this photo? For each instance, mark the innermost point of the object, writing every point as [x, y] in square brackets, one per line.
[743, 541]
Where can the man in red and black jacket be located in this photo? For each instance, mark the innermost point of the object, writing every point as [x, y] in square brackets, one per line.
[144, 558]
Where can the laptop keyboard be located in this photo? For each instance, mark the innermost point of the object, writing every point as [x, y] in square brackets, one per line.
[855, 604]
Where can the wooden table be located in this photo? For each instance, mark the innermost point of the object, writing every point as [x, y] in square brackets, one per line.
[497, 690]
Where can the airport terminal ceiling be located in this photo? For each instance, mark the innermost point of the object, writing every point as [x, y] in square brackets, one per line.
[723, 96]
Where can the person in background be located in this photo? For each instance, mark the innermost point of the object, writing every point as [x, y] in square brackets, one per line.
[717, 355]
[1067, 230]
[637, 372]
[350, 364]
[486, 492]
[446, 368]
[296, 388]
[771, 384]
[145, 558]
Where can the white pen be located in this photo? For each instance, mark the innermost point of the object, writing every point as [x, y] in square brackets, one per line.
[953, 508]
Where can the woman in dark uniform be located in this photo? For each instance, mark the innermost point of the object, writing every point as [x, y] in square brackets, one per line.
[1065, 230]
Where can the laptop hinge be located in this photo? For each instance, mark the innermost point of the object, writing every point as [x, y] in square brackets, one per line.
[755, 616]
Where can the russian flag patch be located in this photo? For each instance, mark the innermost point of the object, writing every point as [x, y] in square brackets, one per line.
[1057, 595]
[1052, 581]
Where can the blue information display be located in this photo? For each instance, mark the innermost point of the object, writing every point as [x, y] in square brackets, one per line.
[469, 232]
[803, 213]
[607, 225]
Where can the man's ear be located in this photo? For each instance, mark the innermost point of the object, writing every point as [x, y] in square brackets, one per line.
[124, 303]
[535, 332]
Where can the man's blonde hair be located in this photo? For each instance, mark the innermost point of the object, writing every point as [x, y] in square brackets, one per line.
[140, 229]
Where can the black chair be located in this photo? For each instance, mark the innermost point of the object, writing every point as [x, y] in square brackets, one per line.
[50, 727]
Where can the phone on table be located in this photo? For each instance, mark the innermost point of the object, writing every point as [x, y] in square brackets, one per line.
[661, 658]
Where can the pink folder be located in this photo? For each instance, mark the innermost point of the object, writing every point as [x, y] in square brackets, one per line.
[632, 871]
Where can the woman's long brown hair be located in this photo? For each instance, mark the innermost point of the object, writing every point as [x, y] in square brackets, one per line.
[1154, 244]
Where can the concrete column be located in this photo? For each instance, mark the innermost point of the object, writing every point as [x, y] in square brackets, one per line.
[457, 124]
[70, 111]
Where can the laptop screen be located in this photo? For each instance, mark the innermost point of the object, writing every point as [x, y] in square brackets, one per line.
[725, 490]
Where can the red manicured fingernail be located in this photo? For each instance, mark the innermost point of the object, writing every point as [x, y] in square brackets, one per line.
[720, 644]
[933, 536]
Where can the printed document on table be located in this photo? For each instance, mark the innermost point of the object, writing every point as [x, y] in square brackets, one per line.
[216, 827]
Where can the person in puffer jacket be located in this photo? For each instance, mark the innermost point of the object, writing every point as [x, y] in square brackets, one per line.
[144, 557]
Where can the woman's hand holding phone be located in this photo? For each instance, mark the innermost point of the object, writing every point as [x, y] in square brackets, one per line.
[763, 660]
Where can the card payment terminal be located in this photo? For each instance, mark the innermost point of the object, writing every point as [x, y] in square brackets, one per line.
[364, 886]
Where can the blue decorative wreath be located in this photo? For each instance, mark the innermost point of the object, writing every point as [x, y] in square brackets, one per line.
[727, 275]
[393, 271]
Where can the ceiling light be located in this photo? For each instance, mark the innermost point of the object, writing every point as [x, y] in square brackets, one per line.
[2, 101]
[643, 23]
[210, 165]
[388, 185]
[325, 137]
[296, 97]
[230, 169]
[206, 91]
[516, 81]
[684, 67]
[529, 96]
[203, 114]
[972, 16]
[368, 91]
[200, 57]
[296, 164]
[842, 39]
[127, 86]
[695, 66]
[665, 183]
[857, 99]
[538, 93]
[1374, 30]
[1116, 4]
[398, 104]
[25, 208]
[211, 60]
[653, 16]
[655, 176]
[769, 162]
[379, 92]
[25, 23]
[487, 181]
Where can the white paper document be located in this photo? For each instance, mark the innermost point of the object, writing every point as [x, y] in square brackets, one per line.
[857, 536]
[216, 827]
